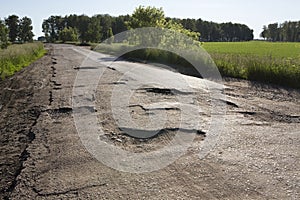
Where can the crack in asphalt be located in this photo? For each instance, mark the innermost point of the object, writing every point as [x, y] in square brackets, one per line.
[24, 155]
[151, 109]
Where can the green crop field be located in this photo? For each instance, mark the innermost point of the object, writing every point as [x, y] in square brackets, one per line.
[17, 56]
[255, 48]
[270, 62]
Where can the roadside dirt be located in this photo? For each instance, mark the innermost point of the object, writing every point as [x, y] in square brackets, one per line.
[42, 156]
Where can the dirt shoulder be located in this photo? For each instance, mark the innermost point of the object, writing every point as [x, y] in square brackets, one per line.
[42, 156]
[22, 99]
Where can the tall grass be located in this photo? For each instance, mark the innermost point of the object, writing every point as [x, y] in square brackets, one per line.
[18, 56]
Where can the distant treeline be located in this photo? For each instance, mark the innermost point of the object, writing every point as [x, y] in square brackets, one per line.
[286, 32]
[13, 29]
[82, 27]
[215, 32]
[101, 27]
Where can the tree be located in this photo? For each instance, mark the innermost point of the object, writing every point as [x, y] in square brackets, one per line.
[25, 30]
[179, 28]
[246, 33]
[155, 17]
[119, 24]
[273, 30]
[94, 30]
[12, 23]
[110, 35]
[68, 34]
[288, 31]
[71, 20]
[147, 17]
[265, 33]
[106, 24]
[51, 27]
[3, 35]
[83, 26]
[189, 24]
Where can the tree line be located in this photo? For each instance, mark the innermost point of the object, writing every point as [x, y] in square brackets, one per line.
[83, 28]
[288, 31]
[14, 29]
[100, 27]
[218, 32]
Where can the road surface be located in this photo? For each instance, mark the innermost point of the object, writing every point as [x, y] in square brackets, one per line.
[49, 149]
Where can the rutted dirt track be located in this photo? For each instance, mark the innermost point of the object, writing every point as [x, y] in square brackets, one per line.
[42, 157]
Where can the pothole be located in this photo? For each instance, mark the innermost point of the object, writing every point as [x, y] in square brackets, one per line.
[268, 116]
[165, 91]
[230, 103]
[159, 91]
[164, 137]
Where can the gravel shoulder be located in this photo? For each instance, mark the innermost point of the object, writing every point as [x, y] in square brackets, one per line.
[43, 157]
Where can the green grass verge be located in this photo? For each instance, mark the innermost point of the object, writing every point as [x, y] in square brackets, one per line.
[18, 56]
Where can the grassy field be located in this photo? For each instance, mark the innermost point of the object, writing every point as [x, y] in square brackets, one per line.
[277, 63]
[256, 48]
[17, 56]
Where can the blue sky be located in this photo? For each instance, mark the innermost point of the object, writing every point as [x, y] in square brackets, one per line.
[255, 13]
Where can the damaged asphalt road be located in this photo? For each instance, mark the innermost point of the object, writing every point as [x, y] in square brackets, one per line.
[43, 157]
